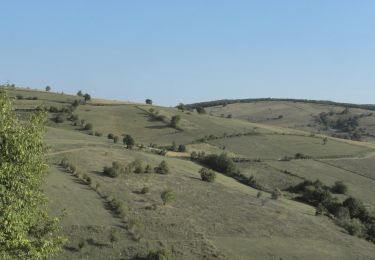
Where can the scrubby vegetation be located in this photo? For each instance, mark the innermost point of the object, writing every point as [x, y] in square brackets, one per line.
[167, 196]
[350, 214]
[128, 141]
[163, 168]
[114, 171]
[207, 175]
[126, 196]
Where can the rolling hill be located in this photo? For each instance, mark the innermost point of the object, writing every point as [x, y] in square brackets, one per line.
[124, 217]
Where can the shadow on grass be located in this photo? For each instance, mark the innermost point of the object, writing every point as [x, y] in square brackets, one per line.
[92, 242]
[71, 248]
[99, 173]
[193, 178]
[157, 127]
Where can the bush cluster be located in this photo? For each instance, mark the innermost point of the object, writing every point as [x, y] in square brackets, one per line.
[135, 166]
[350, 214]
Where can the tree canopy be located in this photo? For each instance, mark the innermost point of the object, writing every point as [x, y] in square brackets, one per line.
[26, 231]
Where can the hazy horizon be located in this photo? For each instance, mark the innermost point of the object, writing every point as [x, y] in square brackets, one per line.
[192, 51]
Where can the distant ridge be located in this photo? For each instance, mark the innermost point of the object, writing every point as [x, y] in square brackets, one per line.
[252, 100]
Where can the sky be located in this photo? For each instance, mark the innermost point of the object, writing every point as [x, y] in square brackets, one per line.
[193, 50]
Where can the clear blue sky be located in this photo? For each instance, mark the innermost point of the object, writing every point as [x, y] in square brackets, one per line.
[192, 50]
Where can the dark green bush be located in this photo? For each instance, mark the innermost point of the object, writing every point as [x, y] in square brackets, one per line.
[182, 148]
[175, 121]
[339, 187]
[161, 254]
[128, 141]
[98, 134]
[207, 175]
[88, 126]
[114, 171]
[60, 118]
[356, 208]
[145, 190]
[163, 168]
[167, 196]
[221, 163]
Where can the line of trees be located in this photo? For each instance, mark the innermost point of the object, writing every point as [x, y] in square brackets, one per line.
[224, 102]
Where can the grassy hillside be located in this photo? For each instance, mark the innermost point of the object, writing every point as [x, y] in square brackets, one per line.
[296, 115]
[221, 220]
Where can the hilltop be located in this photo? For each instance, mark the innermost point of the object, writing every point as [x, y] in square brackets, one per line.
[250, 211]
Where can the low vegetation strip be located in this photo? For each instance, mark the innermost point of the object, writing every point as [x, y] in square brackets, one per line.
[251, 100]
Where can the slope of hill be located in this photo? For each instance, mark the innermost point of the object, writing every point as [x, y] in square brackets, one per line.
[303, 115]
[124, 217]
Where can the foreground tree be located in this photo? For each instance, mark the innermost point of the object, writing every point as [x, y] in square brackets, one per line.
[26, 231]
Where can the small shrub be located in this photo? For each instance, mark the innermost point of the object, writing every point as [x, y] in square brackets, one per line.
[145, 190]
[182, 148]
[114, 171]
[116, 207]
[110, 136]
[259, 194]
[98, 134]
[53, 109]
[71, 168]
[113, 236]
[167, 196]
[115, 139]
[81, 244]
[160, 254]
[88, 180]
[73, 117]
[321, 210]
[207, 175]
[276, 194]
[88, 126]
[339, 187]
[175, 121]
[64, 162]
[139, 169]
[163, 168]
[148, 169]
[128, 141]
[59, 118]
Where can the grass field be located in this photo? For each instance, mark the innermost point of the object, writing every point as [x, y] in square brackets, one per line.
[220, 220]
[278, 146]
[295, 115]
